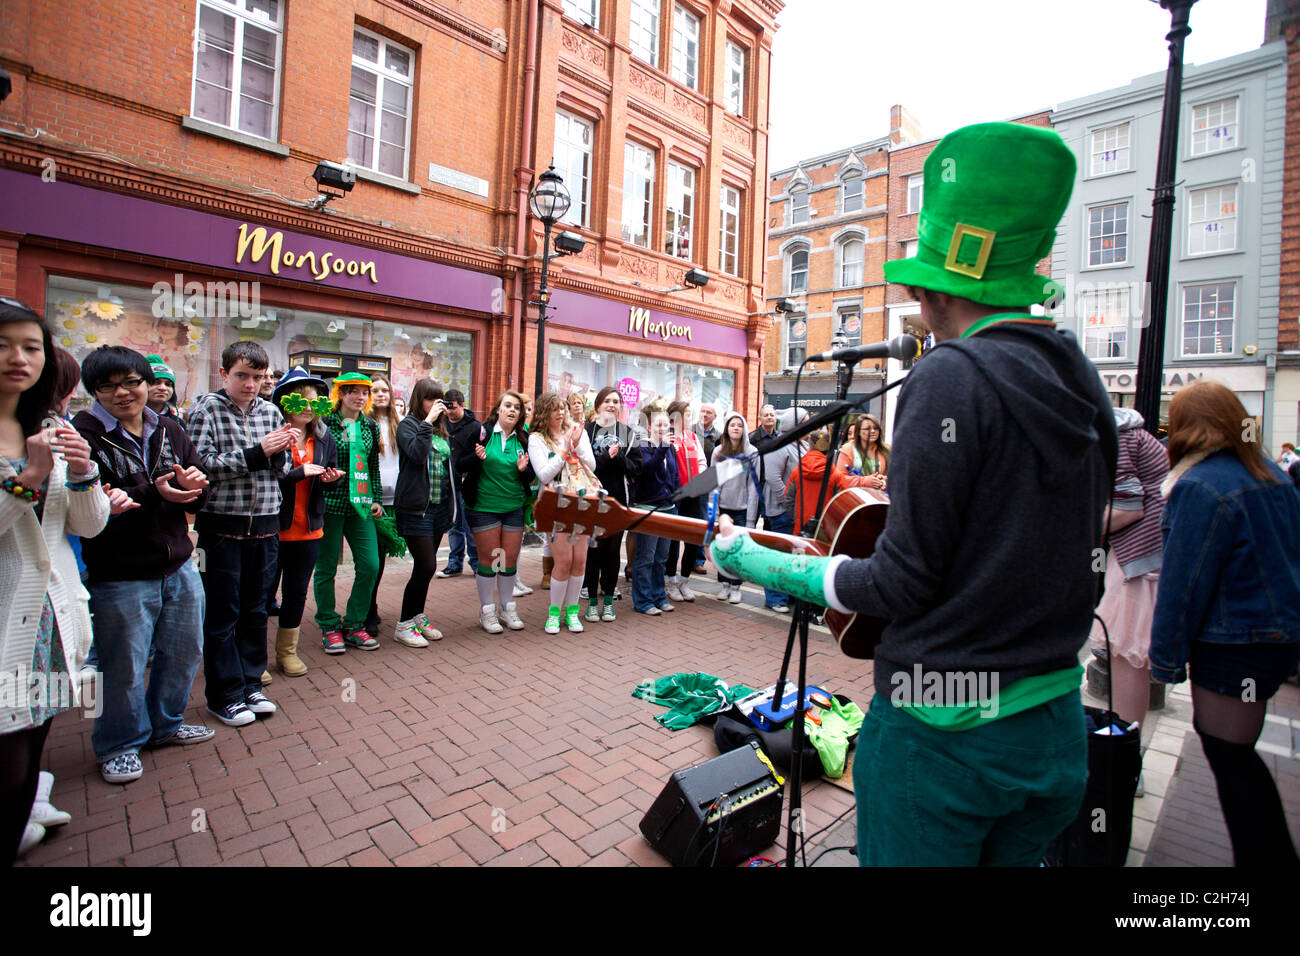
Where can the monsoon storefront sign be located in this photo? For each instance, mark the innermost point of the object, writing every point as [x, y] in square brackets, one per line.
[95, 217]
[595, 314]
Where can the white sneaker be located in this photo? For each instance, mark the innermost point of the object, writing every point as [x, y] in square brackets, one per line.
[583, 595]
[685, 589]
[32, 835]
[735, 597]
[521, 589]
[487, 618]
[723, 593]
[43, 812]
[406, 633]
[426, 629]
[674, 590]
[509, 615]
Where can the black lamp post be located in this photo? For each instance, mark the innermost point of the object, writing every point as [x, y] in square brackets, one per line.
[1151, 350]
[549, 202]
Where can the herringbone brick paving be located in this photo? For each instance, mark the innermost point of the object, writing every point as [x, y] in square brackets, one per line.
[522, 749]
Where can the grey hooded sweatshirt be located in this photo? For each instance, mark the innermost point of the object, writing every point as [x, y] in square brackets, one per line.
[1004, 456]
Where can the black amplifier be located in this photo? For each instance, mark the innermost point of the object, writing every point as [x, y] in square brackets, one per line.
[719, 812]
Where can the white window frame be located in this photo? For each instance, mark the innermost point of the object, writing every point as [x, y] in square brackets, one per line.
[638, 192]
[679, 205]
[686, 47]
[1215, 137]
[842, 264]
[801, 249]
[910, 248]
[797, 196]
[915, 187]
[566, 147]
[790, 346]
[1230, 284]
[736, 61]
[1088, 236]
[586, 12]
[1104, 319]
[1111, 149]
[242, 17]
[1206, 218]
[854, 178]
[640, 31]
[385, 77]
[729, 239]
[842, 312]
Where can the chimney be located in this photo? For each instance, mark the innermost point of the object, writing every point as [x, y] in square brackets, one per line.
[903, 127]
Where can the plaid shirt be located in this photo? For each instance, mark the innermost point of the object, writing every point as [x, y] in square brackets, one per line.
[439, 455]
[244, 481]
[337, 498]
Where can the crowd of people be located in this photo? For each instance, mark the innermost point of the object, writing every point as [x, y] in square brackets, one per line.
[274, 471]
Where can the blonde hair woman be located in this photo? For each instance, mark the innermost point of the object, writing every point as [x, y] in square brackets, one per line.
[561, 455]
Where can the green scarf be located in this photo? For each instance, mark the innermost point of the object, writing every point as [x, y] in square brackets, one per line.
[359, 472]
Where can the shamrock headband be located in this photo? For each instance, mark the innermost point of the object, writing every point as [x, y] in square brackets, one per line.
[294, 403]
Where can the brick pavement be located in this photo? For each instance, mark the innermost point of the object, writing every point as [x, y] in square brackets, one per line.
[518, 750]
[515, 750]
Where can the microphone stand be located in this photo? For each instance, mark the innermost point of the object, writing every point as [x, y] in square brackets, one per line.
[800, 619]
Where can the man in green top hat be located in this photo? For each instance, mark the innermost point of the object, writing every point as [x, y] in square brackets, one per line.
[973, 751]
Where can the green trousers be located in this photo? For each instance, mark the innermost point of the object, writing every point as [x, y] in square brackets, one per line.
[360, 534]
[992, 796]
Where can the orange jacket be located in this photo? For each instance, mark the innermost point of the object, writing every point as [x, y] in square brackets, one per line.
[809, 478]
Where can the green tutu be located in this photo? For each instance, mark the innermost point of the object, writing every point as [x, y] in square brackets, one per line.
[391, 544]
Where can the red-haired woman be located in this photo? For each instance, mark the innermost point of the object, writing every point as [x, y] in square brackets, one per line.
[1228, 605]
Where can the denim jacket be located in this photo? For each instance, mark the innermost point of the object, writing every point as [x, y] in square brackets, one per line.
[1231, 565]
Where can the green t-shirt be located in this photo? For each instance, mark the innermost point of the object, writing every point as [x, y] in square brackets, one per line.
[499, 488]
[1020, 696]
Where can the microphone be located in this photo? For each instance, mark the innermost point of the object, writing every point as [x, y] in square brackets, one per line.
[902, 347]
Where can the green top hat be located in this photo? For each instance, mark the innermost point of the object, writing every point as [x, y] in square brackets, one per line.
[352, 378]
[161, 369]
[993, 196]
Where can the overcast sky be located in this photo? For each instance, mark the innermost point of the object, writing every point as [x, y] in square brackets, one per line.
[838, 65]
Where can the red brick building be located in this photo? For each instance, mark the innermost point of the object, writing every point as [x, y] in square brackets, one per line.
[159, 193]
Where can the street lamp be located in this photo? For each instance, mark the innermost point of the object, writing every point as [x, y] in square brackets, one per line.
[1151, 349]
[549, 202]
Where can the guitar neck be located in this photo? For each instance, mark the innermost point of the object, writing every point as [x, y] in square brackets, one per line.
[692, 531]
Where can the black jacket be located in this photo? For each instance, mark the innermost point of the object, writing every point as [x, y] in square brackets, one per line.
[758, 436]
[616, 474]
[1003, 464]
[414, 440]
[324, 453]
[462, 433]
[469, 466]
[153, 540]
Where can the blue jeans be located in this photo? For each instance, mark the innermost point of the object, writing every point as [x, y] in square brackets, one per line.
[781, 524]
[648, 569]
[459, 540]
[130, 616]
[236, 578]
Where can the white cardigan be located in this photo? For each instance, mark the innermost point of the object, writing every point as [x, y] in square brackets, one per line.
[35, 557]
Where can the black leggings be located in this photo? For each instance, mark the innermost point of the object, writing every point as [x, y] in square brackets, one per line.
[691, 508]
[20, 768]
[297, 561]
[424, 549]
[602, 567]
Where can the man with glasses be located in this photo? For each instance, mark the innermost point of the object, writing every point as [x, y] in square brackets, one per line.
[145, 592]
[462, 427]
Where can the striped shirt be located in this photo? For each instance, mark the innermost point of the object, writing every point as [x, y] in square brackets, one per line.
[1141, 467]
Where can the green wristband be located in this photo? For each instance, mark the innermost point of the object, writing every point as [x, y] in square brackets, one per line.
[799, 575]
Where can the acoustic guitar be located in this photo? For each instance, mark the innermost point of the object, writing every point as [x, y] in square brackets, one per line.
[851, 524]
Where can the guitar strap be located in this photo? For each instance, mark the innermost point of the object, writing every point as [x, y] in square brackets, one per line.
[711, 517]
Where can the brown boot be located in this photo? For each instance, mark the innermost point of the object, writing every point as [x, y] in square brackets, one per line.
[286, 652]
[266, 678]
[547, 564]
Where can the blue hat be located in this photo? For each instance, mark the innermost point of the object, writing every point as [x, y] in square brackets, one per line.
[297, 376]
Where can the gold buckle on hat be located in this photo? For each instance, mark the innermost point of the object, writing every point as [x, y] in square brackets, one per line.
[961, 231]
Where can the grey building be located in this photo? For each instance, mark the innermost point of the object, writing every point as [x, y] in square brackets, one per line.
[1223, 285]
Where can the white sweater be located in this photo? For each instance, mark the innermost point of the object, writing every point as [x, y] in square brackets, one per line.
[547, 464]
[35, 557]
